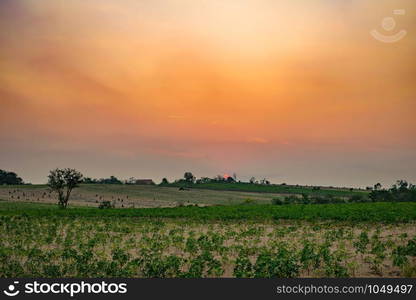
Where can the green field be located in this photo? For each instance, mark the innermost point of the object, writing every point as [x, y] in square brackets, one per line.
[271, 188]
[40, 240]
[372, 212]
[170, 195]
[159, 231]
[135, 195]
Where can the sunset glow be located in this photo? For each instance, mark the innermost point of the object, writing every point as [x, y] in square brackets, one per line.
[292, 91]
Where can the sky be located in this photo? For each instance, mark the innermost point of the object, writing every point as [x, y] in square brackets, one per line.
[294, 91]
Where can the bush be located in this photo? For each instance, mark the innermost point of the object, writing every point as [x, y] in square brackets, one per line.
[243, 267]
[305, 199]
[106, 204]
[282, 264]
[400, 192]
[320, 200]
[292, 199]
[357, 198]
[9, 178]
[248, 201]
[277, 201]
[326, 199]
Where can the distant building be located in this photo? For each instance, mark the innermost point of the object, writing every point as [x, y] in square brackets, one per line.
[144, 181]
[227, 178]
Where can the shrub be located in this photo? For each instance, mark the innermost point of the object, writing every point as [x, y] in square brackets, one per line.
[305, 199]
[277, 201]
[292, 199]
[106, 204]
[243, 267]
[357, 198]
[281, 264]
[248, 201]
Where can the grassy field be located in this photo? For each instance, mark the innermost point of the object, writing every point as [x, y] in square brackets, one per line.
[40, 240]
[372, 212]
[164, 232]
[135, 195]
[272, 188]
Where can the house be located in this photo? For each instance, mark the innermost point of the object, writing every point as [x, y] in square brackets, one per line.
[144, 181]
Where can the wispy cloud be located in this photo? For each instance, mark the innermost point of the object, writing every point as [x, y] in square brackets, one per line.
[257, 140]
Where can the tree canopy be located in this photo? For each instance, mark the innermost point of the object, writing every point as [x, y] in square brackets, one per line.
[63, 181]
[9, 178]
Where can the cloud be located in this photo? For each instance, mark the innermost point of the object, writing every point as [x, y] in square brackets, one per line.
[258, 140]
[176, 117]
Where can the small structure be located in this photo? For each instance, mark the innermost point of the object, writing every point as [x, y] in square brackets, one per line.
[144, 181]
[228, 178]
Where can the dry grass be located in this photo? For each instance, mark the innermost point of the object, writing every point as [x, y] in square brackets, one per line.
[134, 196]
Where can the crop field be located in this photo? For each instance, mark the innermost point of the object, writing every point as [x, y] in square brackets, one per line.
[218, 241]
[271, 188]
[128, 196]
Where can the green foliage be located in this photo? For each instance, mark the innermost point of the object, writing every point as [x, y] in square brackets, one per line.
[362, 243]
[189, 177]
[282, 263]
[106, 205]
[63, 181]
[375, 212]
[309, 256]
[248, 201]
[155, 266]
[243, 267]
[402, 191]
[223, 185]
[9, 178]
[277, 201]
[110, 180]
[113, 246]
[401, 252]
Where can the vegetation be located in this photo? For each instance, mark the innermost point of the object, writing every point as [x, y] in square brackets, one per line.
[9, 178]
[265, 188]
[63, 181]
[312, 232]
[402, 191]
[135, 195]
[189, 177]
[110, 180]
[371, 212]
[43, 241]
[328, 198]
[106, 204]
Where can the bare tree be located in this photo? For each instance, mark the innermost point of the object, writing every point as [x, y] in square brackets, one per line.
[63, 181]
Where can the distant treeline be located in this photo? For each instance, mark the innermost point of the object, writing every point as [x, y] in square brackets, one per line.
[115, 180]
[189, 180]
[402, 191]
[10, 178]
[110, 180]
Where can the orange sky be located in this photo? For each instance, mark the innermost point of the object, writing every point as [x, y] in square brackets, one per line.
[295, 91]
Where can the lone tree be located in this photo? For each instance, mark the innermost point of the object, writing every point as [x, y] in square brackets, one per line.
[63, 181]
[189, 177]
